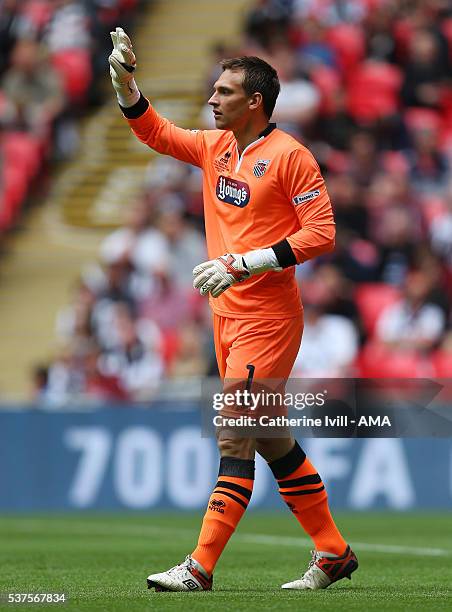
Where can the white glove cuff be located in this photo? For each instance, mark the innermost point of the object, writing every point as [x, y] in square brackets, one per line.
[261, 260]
[129, 94]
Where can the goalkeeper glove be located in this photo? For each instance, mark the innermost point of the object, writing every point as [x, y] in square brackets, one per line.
[219, 274]
[122, 67]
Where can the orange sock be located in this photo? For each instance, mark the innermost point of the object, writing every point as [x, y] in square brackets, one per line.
[226, 506]
[303, 491]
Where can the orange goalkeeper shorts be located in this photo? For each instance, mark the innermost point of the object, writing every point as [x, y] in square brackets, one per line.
[271, 346]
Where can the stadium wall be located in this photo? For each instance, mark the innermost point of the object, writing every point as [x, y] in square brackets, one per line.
[144, 459]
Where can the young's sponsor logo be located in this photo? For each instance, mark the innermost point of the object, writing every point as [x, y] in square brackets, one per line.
[305, 197]
[260, 167]
[232, 192]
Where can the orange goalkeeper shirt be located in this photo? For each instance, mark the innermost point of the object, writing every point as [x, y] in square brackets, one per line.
[272, 195]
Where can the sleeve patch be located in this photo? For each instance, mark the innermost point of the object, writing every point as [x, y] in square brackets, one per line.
[305, 197]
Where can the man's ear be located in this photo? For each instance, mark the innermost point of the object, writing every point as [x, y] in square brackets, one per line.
[255, 100]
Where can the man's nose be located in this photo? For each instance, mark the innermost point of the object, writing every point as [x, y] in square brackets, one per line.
[213, 100]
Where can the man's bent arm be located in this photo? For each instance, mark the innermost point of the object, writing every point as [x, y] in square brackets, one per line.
[305, 187]
[146, 123]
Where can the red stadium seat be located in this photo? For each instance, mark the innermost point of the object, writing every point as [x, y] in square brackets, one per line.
[328, 83]
[74, 66]
[22, 149]
[422, 118]
[349, 43]
[170, 346]
[373, 93]
[14, 192]
[127, 5]
[432, 207]
[378, 361]
[395, 162]
[38, 12]
[371, 299]
[446, 105]
[442, 363]
[403, 31]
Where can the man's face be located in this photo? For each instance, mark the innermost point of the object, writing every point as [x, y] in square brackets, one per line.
[230, 104]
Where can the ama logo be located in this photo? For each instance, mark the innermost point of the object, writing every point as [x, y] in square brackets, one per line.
[232, 192]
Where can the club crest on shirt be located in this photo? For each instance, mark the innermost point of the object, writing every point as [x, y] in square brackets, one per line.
[232, 192]
[260, 167]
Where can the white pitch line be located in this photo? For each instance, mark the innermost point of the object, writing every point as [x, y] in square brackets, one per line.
[91, 529]
[365, 546]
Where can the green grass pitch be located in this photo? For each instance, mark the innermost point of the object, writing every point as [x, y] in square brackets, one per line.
[101, 562]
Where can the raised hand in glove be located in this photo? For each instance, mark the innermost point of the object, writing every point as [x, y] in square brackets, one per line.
[122, 67]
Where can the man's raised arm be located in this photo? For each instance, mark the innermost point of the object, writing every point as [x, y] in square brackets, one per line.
[147, 125]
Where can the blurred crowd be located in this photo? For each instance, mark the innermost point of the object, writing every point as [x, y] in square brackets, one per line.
[51, 55]
[367, 86]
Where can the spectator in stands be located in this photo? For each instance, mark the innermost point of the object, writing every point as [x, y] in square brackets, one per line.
[114, 286]
[337, 126]
[68, 27]
[414, 323]
[140, 246]
[429, 167]
[397, 238]
[134, 357]
[98, 386]
[9, 30]
[186, 245]
[299, 99]
[349, 209]
[363, 158]
[190, 358]
[267, 20]
[65, 379]
[441, 229]
[75, 321]
[425, 74]
[381, 44]
[33, 90]
[330, 341]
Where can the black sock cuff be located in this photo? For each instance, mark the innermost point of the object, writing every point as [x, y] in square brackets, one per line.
[232, 466]
[284, 466]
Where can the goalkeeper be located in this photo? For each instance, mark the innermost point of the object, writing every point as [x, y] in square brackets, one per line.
[266, 210]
